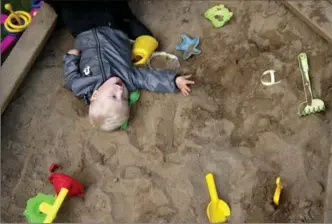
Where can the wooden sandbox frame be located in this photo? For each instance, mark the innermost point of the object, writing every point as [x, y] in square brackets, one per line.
[28, 47]
[23, 55]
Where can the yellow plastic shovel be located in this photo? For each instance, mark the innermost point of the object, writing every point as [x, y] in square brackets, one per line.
[217, 210]
[52, 210]
[277, 192]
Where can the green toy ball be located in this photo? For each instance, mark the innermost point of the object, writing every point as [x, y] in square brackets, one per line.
[32, 212]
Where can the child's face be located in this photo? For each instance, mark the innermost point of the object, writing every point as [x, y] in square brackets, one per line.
[113, 91]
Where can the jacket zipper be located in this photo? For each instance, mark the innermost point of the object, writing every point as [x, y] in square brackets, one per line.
[101, 65]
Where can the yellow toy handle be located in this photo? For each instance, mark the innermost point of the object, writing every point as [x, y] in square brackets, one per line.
[277, 192]
[212, 187]
[52, 210]
[140, 53]
[10, 9]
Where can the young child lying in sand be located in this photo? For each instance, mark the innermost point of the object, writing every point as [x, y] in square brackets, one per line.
[100, 69]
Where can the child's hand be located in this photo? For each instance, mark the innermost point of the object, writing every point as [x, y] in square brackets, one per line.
[182, 83]
[74, 52]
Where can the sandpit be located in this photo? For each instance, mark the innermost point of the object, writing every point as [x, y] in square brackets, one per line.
[245, 133]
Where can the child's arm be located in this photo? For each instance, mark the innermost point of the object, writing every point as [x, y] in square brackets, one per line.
[81, 86]
[160, 81]
[71, 67]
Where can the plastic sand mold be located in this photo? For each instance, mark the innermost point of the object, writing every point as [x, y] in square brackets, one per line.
[219, 15]
[188, 46]
[32, 211]
[168, 56]
[271, 73]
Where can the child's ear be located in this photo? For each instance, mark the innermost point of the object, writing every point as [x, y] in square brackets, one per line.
[94, 96]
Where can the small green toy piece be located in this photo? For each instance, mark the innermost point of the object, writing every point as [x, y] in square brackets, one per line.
[133, 98]
[218, 15]
[32, 212]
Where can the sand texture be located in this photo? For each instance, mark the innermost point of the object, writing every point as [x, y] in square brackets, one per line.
[245, 133]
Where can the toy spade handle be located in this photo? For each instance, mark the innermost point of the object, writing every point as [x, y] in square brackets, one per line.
[304, 68]
[52, 212]
[303, 62]
[212, 187]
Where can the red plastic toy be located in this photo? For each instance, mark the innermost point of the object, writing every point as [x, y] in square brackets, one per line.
[60, 180]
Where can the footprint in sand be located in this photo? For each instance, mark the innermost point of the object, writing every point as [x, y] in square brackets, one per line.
[210, 130]
[132, 172]
[145, 202]
[96, 207]
[163, 214]
[156, 131]
[165, 135]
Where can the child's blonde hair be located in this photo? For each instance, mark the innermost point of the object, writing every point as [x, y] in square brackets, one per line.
[107, 116]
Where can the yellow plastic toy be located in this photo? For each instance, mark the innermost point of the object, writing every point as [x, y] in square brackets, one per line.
[18, 16]
[144, 47]
[276, 196]
[217, 210]
[52, 210]
[44, 208]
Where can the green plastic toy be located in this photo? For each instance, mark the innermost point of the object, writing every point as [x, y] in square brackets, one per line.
[133, 98]
[32, 212]
[219, 15]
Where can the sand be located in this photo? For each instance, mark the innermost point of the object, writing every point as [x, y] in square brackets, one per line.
[231, 125]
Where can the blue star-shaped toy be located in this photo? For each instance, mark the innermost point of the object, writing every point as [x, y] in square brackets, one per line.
[188, 46]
